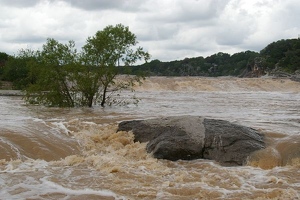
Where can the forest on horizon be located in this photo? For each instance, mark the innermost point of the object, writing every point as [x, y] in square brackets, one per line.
[283, 55]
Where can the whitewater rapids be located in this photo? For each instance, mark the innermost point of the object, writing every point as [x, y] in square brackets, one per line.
[56, 153]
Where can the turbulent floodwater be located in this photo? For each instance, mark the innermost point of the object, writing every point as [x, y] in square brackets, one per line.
[54, 153]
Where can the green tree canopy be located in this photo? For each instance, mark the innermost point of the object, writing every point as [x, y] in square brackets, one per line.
[68, 78]
[108, 49]
[17, 69]
[51, 68]
[283, 53]
[3, 59]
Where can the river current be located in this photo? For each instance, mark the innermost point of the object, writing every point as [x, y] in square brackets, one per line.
[59, 153]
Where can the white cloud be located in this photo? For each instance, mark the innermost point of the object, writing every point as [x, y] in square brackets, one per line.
[169, 29]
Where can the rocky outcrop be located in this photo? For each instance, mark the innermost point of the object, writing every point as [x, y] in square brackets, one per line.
[254, 69]
[192, 137]
[296, 76]
[278, 72]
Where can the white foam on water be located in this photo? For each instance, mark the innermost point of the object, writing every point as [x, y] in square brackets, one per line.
[60, 127]
[110, 164]
[19, 166]
[51, 187]
[23, 185]
[37, 189]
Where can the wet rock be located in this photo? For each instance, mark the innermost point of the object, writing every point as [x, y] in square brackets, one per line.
[230, 143]
[193, 137]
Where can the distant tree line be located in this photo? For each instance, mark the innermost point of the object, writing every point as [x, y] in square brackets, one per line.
[283, 53]
[219, 64]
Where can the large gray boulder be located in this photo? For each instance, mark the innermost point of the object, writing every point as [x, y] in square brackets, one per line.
[193, 137]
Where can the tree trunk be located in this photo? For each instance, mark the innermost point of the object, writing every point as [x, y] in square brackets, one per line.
[90, 101]
[69, 97]
[104, 96]
[65, 87]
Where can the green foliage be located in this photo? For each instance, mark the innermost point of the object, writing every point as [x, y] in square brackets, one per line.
[106, 50]
[3, 56]
[51, 68]
[17, 69]
[220, 64]
[67, 78]
[3, 60]
[284, 54]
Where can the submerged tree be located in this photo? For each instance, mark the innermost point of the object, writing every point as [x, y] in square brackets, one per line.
[105, 51]
[51, 69]
[66, 78]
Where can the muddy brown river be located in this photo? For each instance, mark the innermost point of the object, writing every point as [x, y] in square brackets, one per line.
[59, 153]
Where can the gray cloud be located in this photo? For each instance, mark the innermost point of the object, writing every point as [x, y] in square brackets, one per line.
[158, 32]
[26, 38]
[168, 29]
[19, 3]
[193, 11]
[125, 5]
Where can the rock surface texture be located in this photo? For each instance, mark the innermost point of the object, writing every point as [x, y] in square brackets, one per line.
[193, 137]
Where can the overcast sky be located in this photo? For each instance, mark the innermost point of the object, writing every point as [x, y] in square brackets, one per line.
[168, 29]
